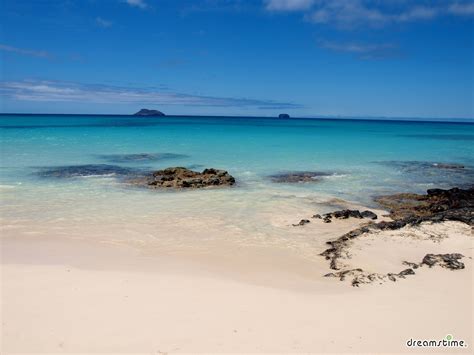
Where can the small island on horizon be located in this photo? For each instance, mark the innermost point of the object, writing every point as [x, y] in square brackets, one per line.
[147, 112]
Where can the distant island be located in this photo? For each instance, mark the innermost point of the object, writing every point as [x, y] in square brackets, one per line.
[283, 115]
[147, 112]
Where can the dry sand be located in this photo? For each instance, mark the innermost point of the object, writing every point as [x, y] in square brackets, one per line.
[65, 296]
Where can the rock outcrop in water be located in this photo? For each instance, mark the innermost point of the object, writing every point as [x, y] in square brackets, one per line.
[147, 112]
[283, 115]
[437, 205]
[179, 177]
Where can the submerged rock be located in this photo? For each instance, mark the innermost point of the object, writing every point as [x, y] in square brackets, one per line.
[416, 166]
[448, 166]
[72, 171]
[437, 173]
[299, 176]
[179, 177]
[140, 157]
[147, 112]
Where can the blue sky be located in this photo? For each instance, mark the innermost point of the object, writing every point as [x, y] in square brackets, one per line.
[395, 58]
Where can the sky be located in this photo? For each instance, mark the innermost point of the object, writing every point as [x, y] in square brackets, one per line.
[308, 58]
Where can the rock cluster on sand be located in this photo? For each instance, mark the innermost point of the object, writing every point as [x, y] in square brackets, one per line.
[449, 261]
[407, 210]
[179, 177]
[345, 214]
[359, 276]
[301, 223]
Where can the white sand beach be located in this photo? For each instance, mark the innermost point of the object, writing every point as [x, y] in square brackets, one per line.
[236, 177]
[77, 296]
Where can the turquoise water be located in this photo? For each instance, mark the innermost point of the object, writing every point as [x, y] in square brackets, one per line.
[363, 158]
[363, 155]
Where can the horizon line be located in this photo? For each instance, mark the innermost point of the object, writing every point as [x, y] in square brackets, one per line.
[322, 117]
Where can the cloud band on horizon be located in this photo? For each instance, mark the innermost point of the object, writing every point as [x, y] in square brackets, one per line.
[57, 91]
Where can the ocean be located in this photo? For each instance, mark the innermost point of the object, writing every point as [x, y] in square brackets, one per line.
[355, 160]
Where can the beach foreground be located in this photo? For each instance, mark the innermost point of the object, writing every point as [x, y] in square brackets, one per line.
[94, 263]
[75, 296]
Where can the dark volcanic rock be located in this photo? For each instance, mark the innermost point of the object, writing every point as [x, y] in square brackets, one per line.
[410, 264]
[406, 272]
[302, 222]
[368, 214]
[283, 115]
[360, 277]
[299, 176]
[147, 112]
[72, 171]
[180, 177]
[345, 214]
[409, 210]
[437, 205]
[141, 157]
[343, 274]
[449, 261]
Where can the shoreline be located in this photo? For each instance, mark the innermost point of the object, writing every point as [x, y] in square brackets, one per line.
[75, 295]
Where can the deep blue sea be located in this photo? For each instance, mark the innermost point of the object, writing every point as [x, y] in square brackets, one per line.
[359, 158]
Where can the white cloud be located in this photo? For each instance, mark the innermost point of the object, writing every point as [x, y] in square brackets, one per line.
[348, 14]
[344, 13]
[417, 13]
[462, 9]
[362, 50]
[288, 5]
[102, 22]
[56, 91]
[137, 3]
[28, 52]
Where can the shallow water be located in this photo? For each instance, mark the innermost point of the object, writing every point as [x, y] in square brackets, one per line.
[362, 159]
